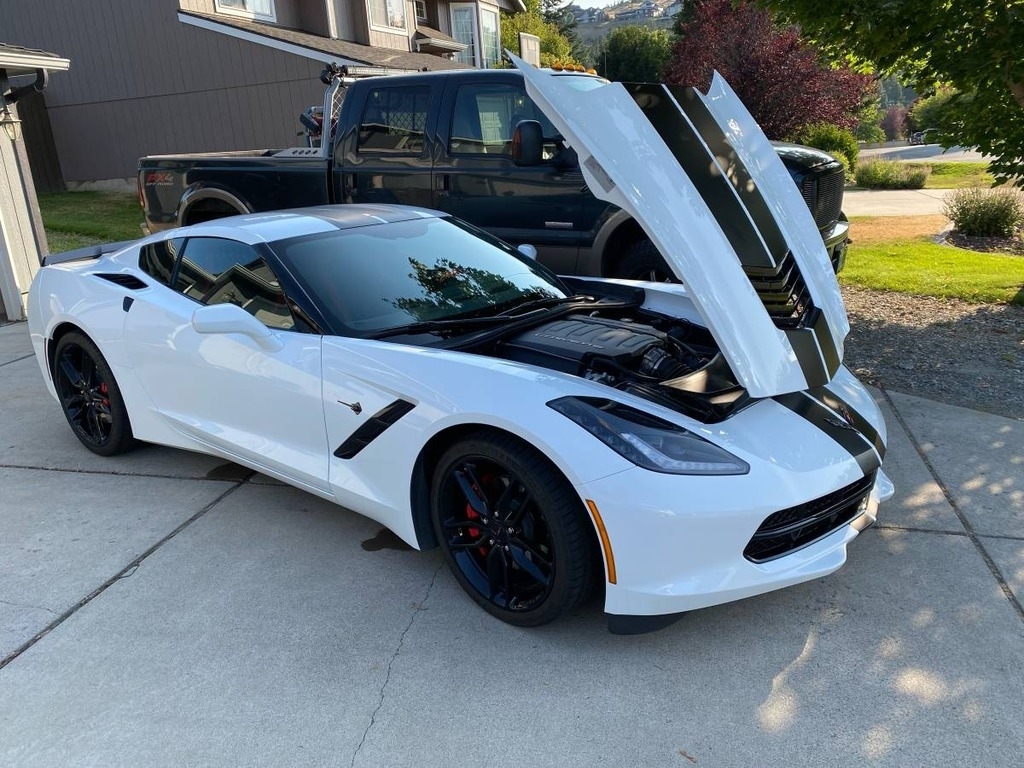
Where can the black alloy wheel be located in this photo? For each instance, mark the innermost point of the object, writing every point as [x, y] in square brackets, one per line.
[512, 530]
[643, 262]
[90, 397]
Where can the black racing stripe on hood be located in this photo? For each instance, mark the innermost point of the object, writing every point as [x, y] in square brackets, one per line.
[695, 139]
[833, 424]
[690, 131]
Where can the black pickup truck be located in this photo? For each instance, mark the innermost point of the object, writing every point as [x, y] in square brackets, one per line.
[450, 141]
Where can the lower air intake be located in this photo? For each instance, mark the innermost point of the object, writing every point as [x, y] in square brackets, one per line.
[791, 529]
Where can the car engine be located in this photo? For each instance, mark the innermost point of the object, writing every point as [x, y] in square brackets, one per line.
[677, 364]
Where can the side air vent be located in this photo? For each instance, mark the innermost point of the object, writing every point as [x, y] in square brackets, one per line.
[131, 282]
[373, 428]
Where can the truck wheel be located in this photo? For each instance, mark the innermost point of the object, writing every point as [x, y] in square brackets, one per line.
[643, 262]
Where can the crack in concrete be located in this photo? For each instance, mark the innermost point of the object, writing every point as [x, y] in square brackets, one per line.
[912, 529]
[387, 676]
[126, 571]
[115, 473]
[17, 359]
[29, 605]
[968, 527]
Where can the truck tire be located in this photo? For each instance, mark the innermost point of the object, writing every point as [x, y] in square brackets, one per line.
[643, 262]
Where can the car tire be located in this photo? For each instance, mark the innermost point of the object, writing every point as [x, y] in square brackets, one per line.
[643, 262]
[89, 396]
[512, 530]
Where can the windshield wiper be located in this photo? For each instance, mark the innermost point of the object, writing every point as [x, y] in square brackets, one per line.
[504, 316]
[548, 301]
[428, 326]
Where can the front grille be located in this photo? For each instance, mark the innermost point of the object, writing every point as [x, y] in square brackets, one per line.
[790, 529]
[824, 196]
[783, 293]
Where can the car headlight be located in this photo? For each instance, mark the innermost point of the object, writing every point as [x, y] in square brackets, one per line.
[648, 441]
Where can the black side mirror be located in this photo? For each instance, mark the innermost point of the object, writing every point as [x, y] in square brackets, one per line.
[528, 143]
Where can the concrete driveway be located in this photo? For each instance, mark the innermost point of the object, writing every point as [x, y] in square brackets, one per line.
[164, 608]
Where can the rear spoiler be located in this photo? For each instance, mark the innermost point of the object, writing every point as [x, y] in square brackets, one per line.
[88, 252]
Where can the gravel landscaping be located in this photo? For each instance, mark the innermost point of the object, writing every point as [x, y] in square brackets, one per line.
[971, 355]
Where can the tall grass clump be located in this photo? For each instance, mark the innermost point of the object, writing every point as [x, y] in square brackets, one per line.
[985, 212]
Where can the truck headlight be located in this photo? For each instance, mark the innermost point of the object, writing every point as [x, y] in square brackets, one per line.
[648, 441]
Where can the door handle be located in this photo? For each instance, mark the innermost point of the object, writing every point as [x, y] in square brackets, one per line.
[443, 183]
[348, 184]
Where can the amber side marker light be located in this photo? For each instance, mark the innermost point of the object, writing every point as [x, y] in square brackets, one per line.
[606, 543]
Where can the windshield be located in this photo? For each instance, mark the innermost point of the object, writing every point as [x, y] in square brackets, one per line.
[374, 278]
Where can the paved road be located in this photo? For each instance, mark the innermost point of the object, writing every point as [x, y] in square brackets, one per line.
[167, 609]
[925, 152]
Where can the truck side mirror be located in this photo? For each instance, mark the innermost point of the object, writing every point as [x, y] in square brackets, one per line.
[528, 143]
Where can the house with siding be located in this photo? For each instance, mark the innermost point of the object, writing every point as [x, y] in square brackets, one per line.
[166, 76]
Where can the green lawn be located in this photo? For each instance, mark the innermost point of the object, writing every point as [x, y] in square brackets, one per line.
[76, 219]
[957, 175]
[925, 268]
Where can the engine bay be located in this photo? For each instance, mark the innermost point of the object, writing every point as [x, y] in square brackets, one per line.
[668, 360]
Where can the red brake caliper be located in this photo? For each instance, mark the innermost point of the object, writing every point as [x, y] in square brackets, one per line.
[103, 391]
[472, 515]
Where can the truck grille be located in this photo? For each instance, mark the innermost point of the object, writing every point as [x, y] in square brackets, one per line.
[790, 529]
[824, 196]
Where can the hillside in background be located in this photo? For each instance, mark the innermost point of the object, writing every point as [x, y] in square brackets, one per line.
[594, 24]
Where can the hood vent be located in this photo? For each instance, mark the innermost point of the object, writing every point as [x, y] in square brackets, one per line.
[784, 293]
[131, 282]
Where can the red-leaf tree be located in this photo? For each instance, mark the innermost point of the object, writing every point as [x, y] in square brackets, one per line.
[895, 122]
[784, 82]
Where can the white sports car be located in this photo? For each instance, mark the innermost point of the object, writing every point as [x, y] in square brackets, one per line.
[683, 444]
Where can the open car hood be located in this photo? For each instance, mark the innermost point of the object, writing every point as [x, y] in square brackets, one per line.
[696, 172]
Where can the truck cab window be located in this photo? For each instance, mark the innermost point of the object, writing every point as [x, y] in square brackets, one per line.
[394, 120]
[485, 117]
[218, 271]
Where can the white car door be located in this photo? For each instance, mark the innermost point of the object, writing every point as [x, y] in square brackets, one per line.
[227, 390]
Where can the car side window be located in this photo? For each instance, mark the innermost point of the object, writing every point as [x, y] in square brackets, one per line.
[217, 271]
[485, 116]
[394, 120]
[157, 259]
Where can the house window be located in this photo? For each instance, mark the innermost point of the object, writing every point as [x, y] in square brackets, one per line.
[261, 10]
[478, 28]
[387, 13]
[421, 9]
[464, 30]
[490, 42]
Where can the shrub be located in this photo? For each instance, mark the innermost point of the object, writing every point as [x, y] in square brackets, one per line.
[888, 174]
[869, 133]
[985, 212]
[833, 139]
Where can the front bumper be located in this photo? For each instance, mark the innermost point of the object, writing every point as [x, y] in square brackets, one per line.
[672, 557]
[836, 241]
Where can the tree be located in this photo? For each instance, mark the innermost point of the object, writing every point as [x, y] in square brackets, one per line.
[973, 45]
[933, 111]
[554, 48]
[557, 12]
[895, 122]
[785, 83]
[634, 54]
